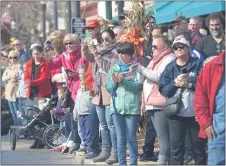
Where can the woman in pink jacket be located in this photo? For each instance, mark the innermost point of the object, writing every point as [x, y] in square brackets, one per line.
[70, 59]
[153, 101]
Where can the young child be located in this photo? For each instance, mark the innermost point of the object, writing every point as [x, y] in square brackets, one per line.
[60, 113]
[22, 93]
[125, 88]
[81, 110]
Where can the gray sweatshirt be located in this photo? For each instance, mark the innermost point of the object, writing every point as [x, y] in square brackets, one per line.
[82, 102]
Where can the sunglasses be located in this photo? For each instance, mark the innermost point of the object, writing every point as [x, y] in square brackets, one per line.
[176, 47]
[13, 57]
[105, 39]
[16, 45]
[155, 47]
[69, 43]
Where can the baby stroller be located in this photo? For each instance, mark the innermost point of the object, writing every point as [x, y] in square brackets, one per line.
[39, 126]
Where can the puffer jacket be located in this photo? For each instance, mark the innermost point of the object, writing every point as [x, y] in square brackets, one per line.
[152, 99]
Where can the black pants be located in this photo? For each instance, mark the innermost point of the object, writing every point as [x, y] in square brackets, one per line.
[150, 137]
[177, 127]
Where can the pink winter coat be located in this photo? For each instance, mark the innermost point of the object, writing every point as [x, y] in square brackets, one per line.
[73, 64]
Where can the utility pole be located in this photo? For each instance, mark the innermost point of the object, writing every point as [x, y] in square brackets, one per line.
[108, 10]
[120, 7]
[55, 14]
[69, 16]
[43, 3]
[77, 9]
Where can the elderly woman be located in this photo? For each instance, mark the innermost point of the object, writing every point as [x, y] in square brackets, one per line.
[70, 59]
[103, 56]
[9, 77]
[180, 77]
[152, 100]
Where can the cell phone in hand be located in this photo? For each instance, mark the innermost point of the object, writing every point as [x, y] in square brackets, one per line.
[184, 70]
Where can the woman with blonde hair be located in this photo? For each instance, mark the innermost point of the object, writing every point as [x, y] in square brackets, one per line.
[9, 77]
[70, 59]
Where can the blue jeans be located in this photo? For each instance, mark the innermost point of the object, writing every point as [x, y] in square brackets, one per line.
[83, 129]
[13, 107]
[21, 103]
[80, 135]
[64, 138]
[93, 138]
[126, 128]
[216, 150]
[107, 127]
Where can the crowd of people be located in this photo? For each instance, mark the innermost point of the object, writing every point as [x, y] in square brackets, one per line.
[102, 83]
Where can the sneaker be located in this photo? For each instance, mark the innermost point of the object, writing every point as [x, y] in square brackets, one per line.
[146, 157]
[91, 155]
[74, 149]
[82, 152]
[188, 160]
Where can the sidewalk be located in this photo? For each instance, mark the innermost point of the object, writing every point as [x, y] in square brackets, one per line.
[80, 159]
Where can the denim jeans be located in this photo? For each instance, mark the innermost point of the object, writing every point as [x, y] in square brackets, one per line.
[216, 150]
[84, 130]
[13, 107]
[93, 138]
[126, 128]
[107, 127]
[80, 135]
[21, 103]
[62, 125]
[150, 136]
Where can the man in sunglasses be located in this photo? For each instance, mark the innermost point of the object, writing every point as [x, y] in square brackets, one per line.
[24, 56]
[213, 44]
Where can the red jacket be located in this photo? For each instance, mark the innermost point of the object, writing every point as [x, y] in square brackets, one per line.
[206, 88]
[42, 80]
[89, 77]
[71, 63]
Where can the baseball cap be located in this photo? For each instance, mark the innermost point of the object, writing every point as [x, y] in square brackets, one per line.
[178, 19]
[180, 40]
[92, 24]
[33, 45]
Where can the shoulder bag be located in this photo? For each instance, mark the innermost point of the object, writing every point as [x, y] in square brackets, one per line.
[173, 104]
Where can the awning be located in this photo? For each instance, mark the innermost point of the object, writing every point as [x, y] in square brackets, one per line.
[166, 11]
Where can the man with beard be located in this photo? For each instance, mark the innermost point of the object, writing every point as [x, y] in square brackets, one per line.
[213, 44]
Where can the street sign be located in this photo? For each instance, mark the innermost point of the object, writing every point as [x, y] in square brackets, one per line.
[77, 26]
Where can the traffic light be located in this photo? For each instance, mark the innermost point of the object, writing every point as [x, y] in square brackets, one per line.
[12, 40]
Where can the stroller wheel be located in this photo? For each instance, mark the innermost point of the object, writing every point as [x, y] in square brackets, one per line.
[52, 136]
[12, 139]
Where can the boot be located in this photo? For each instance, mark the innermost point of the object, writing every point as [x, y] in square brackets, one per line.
[113, 158]
[104, 155]
[34, 144]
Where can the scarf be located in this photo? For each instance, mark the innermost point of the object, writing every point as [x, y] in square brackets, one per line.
[107, 54]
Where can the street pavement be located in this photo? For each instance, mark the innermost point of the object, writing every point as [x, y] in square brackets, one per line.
[23, 155]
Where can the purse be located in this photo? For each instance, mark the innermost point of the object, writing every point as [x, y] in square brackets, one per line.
[173, 104]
